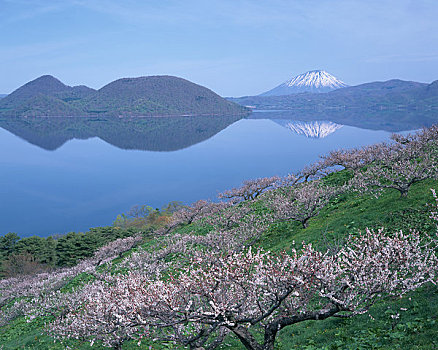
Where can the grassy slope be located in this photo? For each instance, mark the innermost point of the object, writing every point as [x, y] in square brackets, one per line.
[417, 328]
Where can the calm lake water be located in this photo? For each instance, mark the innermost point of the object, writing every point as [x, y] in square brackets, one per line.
[60, 176]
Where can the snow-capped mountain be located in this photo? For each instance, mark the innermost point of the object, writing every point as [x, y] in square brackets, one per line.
[313, 81]
[315, 129]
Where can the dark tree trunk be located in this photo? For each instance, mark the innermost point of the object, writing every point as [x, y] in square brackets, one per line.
[269, 340]
[403, 193]
[246, 338]
[305, 222]
[272, 329]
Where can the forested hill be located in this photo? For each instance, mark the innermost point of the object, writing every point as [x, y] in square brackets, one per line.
[143, 96]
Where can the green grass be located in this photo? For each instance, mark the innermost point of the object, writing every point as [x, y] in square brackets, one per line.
[353, 213]
[417, 327]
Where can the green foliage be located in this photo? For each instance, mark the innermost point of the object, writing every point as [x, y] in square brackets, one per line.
[74, 247]
[147, 218]
[64, 250]
[7, 244]
[41, 248]
[338, 178]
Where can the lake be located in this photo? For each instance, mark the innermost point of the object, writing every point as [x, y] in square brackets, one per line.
[70, 174]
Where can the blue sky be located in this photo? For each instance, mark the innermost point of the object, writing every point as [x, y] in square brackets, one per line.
[234, 47]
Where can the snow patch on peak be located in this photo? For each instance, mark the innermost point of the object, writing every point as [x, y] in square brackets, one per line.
[317, 79]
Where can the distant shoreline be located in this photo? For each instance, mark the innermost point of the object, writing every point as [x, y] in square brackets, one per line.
[129, 116]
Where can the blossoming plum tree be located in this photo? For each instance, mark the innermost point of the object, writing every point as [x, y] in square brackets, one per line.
[300, 203]
[353, 159]
[198, 210]
[250, 189]
[399, 167]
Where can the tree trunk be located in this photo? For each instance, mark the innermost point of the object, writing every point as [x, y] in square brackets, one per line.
[269, 340]
[275, 326]
[305, 222]
[403, 193]
[246, 338]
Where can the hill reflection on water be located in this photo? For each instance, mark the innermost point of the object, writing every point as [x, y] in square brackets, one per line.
[147, 134]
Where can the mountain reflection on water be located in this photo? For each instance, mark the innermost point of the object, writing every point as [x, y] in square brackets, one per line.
[147, 134]
[315, 129]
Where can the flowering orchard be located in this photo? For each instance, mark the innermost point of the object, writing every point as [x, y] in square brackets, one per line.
[213, 294]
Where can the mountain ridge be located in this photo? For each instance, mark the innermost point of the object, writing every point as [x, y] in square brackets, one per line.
[142, 96]
[391, 94]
